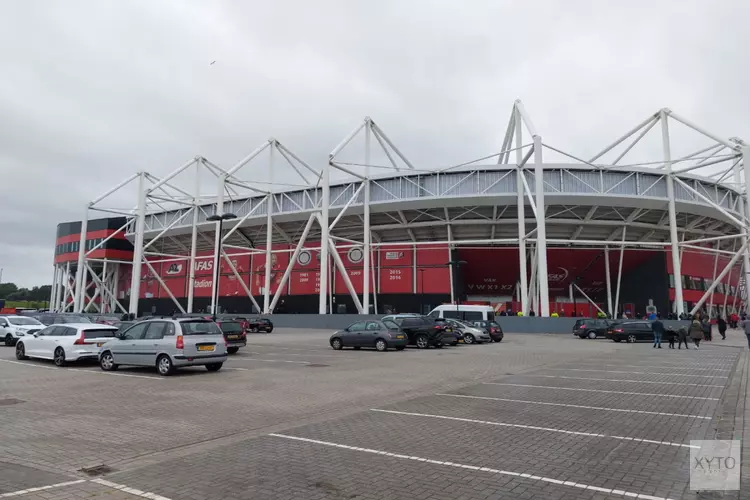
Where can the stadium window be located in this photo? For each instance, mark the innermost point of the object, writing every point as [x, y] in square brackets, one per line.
[671, 281]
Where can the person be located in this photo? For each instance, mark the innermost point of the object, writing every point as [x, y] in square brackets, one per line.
[554, 315]
[652, 316]
[746, 325]
[519, 313]
[696, 331]
[624, 315]
[734, 320]
[722, 324]
[532, 313]
[658, 328]
[706, 324]
[671, 335]
[682, 335]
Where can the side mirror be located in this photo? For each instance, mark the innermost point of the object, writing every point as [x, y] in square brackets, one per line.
[36, 335]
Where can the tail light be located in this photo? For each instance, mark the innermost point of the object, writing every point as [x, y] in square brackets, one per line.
[582, 326]
[180, 342]
[619, 330]
[79, 340]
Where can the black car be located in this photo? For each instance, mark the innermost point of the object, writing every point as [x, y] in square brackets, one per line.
[437, 329]
[234, 334]
[259, 325]
[381, 335]
[631, 331]
[592, 328]
[493, 328]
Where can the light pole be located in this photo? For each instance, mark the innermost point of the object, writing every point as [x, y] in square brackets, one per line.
[220, 219]
[456, 264]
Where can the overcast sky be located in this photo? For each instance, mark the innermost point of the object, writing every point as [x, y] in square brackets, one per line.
[91, 91]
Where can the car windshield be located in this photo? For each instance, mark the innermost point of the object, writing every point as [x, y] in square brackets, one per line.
[200, 327]
[24, 321]
[492, 323]
[231, 327]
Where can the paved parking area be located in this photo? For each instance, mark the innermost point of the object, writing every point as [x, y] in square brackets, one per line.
[536, 416]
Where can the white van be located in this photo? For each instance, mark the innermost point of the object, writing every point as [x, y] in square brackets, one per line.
[464, 312]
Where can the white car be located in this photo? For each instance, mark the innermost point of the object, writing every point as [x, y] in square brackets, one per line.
[13, 328]
[63, 343]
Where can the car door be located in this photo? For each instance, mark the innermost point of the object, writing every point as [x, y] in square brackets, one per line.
[4, 328]
[373, 330]
[147, 347]
[353, 334]
[123, 350]
[32, 345]
[53, 340]
[645, 332]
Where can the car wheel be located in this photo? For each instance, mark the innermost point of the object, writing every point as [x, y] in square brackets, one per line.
[422, 342]
[400, 348]
[20, 351]
[468, 338]
[9, 340]
[232, 350]
[59, 357]
[214, 367]
[631, 339]
[591, 334]
[164, 365]
[107, 362]
[269, 330]
[337, 344]
[254, 330]
[381, 345]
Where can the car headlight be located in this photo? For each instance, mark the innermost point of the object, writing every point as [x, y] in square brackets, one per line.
[20, 333]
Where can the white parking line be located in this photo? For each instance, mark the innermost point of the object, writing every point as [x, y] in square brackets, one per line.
[237, 369]
[636, 373]
[92, 372]
[126, 489]
[537, 428]
[623, 410]
[295, 354]
[600, 390]
[41, 488]
[621, 380]
[662, 366]
[273, 361]
[475, 468]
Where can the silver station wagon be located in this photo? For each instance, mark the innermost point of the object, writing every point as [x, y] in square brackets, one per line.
[166, 344]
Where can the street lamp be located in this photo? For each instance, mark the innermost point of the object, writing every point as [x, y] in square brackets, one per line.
[220, 220]
[456, 264]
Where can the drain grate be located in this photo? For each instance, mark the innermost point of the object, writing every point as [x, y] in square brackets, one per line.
[316, 365]
[10, 401]
[98, 470]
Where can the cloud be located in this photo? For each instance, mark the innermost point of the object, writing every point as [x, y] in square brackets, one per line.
[93, 91]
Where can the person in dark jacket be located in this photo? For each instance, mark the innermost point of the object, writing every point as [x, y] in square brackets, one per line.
[722, 324]
[682, 335]
[696, 331]
[707, 333]
[658, 328]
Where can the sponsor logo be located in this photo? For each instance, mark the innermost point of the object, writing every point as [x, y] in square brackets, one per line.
[557, 277]
[304, 258]
[174, 269]
[394, 255]
[204, 265]
[203, 283]
[355, 255]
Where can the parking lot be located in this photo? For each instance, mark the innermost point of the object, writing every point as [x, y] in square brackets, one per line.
[536, 416]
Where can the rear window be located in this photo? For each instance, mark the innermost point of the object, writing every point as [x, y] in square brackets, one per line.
[231, 327]
[492, 323]
[490, 316]
[98, 333]
[200, 327]
[415, 322]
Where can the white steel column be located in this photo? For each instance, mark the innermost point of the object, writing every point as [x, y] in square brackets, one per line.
[193, 240]
[676, 265]
[521, 216]
[619, 271]
[713, 278]
[324, 202]
[64, 299]
[217, 243]
[609, 282]
[367, 236]
[80, 269]
[100, 286]
[115, 286]
[541, 230]
[53, 291]
[140, 226]
[746, 217]
[269, 235]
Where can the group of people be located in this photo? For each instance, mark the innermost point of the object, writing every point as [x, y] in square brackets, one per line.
[700, 329]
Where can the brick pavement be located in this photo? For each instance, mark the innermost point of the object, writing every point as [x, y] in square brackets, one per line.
[201, 435]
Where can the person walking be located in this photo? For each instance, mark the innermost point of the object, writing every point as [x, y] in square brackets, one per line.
[696, 331]
[707, 334]
[658, 328]
[745, 324]
[722, 324]
[682, 335]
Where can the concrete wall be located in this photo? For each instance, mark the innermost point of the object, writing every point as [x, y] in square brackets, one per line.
[509, 324]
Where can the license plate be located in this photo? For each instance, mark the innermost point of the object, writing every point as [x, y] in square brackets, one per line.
[233, 337]
[99, 344]
[205, 348]
[399, 336]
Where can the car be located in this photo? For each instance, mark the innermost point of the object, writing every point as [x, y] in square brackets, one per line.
[422, 331]
[60, 318]
[631, 331]
[167, 344]
[65, 343]
[259, 325]
[234, 335]
[105, 319]
[493, 328]
[592, 328]
[465, 312]
[14, 327]
[471, 333]
[123, 325]
[381, 335]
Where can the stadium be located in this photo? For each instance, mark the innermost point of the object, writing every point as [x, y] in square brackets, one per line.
[529, 228]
